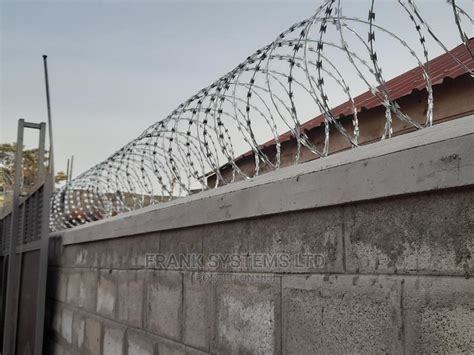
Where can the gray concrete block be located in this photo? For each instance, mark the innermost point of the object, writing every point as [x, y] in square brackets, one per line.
[78, 331]
[73, 287]
[118, 253]
[439, 315]
[420, 234]
[86, 255]
[130, 296]
[100, 254]
[226, 239]
[139, 343]
[66, 325]
[316, 233]
[247, 317]
[74, 256]
[93, 337]
[139, 246]
[113, 340]
[112, 253]
[82, 288]
[181, 242]
[170, 348]
[341, 315]
[107, 293]
[192, 351]
[63, 277]
[164, 303]
[88, 289]
[198, 310]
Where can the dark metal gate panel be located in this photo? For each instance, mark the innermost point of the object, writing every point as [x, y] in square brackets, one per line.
[24, 235]
[28, 302]
[3, 276]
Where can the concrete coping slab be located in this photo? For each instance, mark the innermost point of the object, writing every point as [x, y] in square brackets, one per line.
[437, 157]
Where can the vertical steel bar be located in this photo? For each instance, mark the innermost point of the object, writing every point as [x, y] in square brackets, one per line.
[41, 151]
[16, 289]
[43, 264]
[10, 324]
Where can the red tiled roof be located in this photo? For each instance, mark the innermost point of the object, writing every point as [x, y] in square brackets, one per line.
[444, 66]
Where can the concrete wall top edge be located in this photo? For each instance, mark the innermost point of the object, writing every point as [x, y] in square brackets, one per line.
[438, 157]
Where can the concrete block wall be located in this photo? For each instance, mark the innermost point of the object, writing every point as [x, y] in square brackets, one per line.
[396, 277]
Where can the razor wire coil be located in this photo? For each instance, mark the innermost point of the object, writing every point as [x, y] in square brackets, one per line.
[268, 94]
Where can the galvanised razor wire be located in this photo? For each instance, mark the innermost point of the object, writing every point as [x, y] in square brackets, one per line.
[271, 92]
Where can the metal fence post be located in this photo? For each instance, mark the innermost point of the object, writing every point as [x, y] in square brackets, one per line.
[9, 338]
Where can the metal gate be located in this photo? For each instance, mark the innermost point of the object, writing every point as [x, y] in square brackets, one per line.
[24, 233]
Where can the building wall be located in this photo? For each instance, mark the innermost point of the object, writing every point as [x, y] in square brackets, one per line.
[452, 99]
[396, 276]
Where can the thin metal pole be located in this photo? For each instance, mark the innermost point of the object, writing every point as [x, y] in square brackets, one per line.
[50, 125]
[72, 164]
[67, 171]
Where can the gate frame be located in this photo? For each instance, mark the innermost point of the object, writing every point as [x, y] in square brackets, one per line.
[45, 182]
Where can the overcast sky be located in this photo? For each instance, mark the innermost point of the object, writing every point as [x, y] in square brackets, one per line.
[117, 67]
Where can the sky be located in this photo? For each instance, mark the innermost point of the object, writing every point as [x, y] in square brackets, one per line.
[116, 67]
